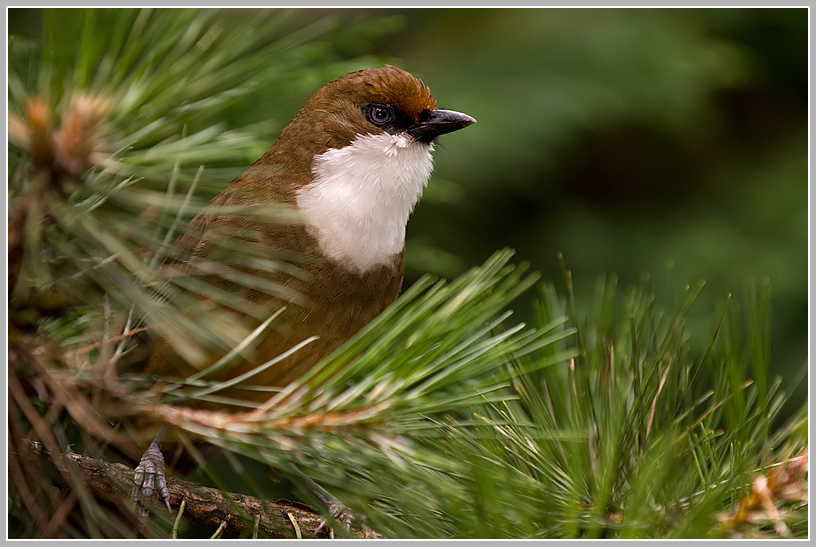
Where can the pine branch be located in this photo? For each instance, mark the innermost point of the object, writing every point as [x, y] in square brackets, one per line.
[241, 514]
[438, 420]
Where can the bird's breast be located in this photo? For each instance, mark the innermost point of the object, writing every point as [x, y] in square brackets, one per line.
[357, 205]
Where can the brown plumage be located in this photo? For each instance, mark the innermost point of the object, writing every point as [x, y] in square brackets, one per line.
[352, 162]
[337, 300]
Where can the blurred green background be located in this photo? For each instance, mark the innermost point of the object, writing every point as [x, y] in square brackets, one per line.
[664, 146]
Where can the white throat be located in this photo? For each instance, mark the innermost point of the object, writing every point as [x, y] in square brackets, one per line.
[359, 202]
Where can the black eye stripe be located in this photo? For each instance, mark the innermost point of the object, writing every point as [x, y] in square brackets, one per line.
[387, 117]
[379, 114]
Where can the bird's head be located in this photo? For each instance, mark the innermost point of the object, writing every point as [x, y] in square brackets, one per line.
[362, 147]
[376, 101]
[384, 101]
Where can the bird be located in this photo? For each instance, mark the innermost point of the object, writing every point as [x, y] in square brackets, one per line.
[352, 164]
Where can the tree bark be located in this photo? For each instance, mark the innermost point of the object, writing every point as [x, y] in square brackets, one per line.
[113, 482]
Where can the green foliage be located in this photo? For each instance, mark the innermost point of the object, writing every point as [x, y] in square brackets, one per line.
[608, 415]
[111, 139]
[662, 142]
[635, 437]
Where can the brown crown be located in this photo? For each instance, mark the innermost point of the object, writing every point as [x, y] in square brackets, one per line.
[333, 118]
[387, 85]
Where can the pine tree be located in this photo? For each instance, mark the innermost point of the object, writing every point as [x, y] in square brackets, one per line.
[444, 418]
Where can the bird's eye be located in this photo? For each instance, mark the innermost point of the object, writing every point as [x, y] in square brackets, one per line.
[379, 114]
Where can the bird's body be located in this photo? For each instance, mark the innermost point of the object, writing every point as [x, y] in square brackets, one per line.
[352, 163]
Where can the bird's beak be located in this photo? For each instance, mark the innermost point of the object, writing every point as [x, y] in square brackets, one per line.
[433, 123]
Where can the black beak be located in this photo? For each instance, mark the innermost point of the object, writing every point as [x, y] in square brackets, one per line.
[433, 123]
